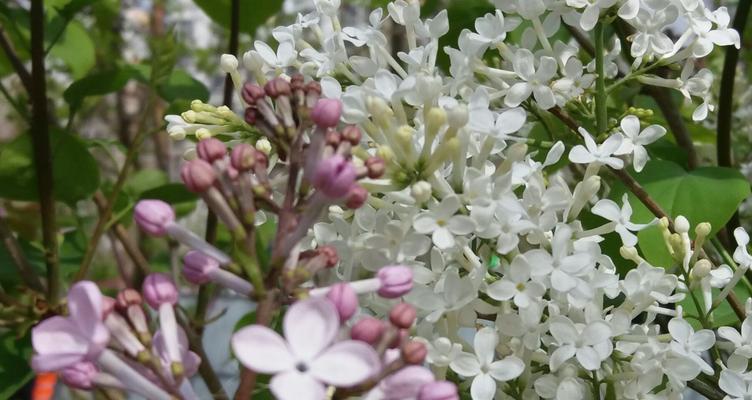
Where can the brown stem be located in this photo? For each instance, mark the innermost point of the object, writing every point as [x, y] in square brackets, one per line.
[106, 213]
[25, 270]
[131, 248]
[15, 61]
[40, 139]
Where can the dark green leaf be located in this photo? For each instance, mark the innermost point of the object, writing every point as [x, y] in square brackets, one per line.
[181, 199]
[75, 171]
[252, 13]
[97, 84]
[462, 14]
[708, 194]
[14, 369]
[76, 49]
[180, 85]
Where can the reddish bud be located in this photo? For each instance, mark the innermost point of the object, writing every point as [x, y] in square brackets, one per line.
[356, 197]
[252, 93]
[326, 113]
[198, 175]
[376, 167]
[243, 157]
[128, 297]
[402, 315]
[211, 150]
[277, 87]
[368, 329]
[344, 299]
[250, 116]
[352, 134]
[414, 352]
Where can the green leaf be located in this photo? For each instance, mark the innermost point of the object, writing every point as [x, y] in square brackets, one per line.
[14, 370]
[180, 85]
[723, 315]
[76, 49]
[707, 194]
[75, 172]
[144, 180]
[97, 84]
[252, 13]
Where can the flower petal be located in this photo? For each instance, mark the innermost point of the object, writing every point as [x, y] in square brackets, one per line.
[85, 305]
[483, 387]
[502, 290]
[507, 369]
[262, 350]
[360, 359]
[465, 364]
[485, 344]
[293, 385]
[310, 326]
[57, 343]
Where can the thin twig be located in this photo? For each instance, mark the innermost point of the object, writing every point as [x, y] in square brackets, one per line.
[726, 97]
[25, 270]
[40, 139]
[106, 213]
[15, 61]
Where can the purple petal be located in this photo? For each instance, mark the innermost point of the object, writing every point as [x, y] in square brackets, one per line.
[293, 385]
[58, 344]
[360, 361]
[310, 327]
[85, 305]
[262, 350]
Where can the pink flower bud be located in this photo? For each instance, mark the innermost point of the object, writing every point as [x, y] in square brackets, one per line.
[250, 115]
[153, 216]
[414, 352]
[334, 176]
[439, 390]
[277, 87]
[108, 306]
[79, 375]
[243, 157]
[211, 150]
[396, 281]
[198, 175]
[368, 329]
[406, 383]
[330, 254]
[376, 167]
[402, 315]
[352, 134]
[197, 267]
[356, 197]
[252, 93]
[313, 87]
[401, 336]
[333, 138]
[297, 81]
[128, 297]
[159, 289]
[326, 113]
[344, 299]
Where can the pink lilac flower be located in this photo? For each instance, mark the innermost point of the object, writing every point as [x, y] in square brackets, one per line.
[60, 342]
[307, 359]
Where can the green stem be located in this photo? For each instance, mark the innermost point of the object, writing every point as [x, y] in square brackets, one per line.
[40, 137]
[601, 115]
[730, 261]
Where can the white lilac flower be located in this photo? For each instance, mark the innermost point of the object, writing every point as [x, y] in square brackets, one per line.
[592, 152]
[442, 222]
[736, 385]
[534, 81]
[483, 369]
[592, 11]
[742, 340]
[691, 344]
[516, 284]
[635, 140]
[589, 343]
[620, 217]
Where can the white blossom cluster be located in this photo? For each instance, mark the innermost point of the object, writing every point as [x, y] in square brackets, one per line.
[517, 298]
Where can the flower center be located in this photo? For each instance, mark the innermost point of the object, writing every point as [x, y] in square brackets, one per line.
[441, 222]
[520, 286]
[301, 367]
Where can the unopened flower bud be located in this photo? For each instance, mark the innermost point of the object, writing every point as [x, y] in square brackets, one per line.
[128, 297]
[334, 176]
[198, 175]
[252, 60]
[203, 134]
[250, 116]
[80, 375]
[681, 224]
[228, 63]
[352, 134]
[277, 87]
[297, 81]
[326, 113]
[333, 138]
[368, 329]
[197, 267]
[376, 167]
[313, 87]
[414, 352]
[439, 390]
[457, 116]
[330, 255]
[356, 197]
[402, 315]
[265, 147]
[158, 289]
[211, 150]
[344, 299]
[701, 269]
[243, 157]
[108, 306]
[703, 229]
[421, 191]
[153, 216]
[396, 281]
[252, 93]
